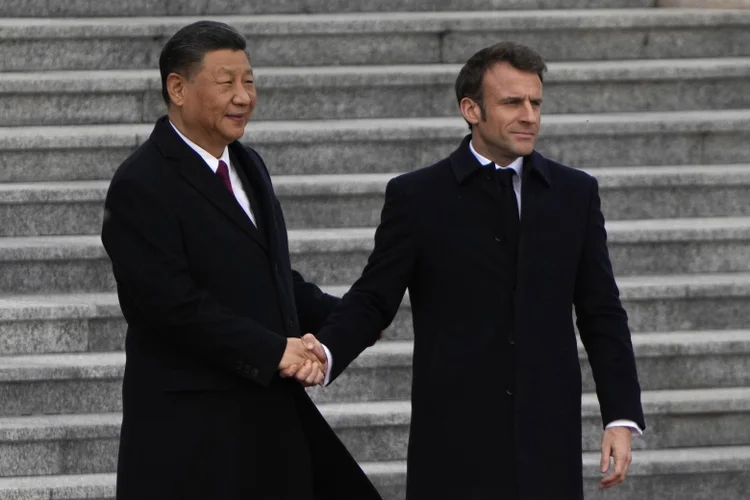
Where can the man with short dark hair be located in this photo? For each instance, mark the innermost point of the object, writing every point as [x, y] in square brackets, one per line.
[496, 244]
[200, 254]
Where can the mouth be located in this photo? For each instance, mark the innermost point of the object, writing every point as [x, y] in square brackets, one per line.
[237, 118]
[524, 135]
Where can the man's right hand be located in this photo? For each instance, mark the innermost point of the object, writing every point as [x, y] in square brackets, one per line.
[299, 358]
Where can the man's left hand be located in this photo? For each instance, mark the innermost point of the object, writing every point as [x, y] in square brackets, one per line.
[616, 444]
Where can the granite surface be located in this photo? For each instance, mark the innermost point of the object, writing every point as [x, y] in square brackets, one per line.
[93, 8]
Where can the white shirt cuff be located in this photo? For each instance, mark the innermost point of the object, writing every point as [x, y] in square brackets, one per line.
[625, 423]
[327, 379]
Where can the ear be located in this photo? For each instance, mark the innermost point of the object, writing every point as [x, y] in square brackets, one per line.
[470, 110]
[177, 87]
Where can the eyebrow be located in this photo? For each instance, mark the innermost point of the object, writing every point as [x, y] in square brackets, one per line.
[520, 99]
[229, 71]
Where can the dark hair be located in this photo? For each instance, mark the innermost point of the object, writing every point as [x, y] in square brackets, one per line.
[190, 44]
[521, 57]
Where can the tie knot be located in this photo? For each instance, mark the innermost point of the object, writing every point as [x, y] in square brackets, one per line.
[505, 176]
[223, 170]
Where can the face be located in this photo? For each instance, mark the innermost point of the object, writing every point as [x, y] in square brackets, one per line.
[216, 101]
[512, 102]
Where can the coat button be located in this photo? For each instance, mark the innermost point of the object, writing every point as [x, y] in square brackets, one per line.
[254, 373]
[248, 369]
[511, 341]
[508, 392]
[498, 238]
[290, 323]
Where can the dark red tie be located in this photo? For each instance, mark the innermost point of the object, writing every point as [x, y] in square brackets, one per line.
[223, 173]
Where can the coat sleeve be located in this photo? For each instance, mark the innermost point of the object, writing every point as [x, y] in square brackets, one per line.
[373, 301]
[313, 305]
[142, 237]
[603, 324]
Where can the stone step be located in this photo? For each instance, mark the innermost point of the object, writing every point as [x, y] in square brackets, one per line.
[676, 360]
[332, 201]
[713, 417]
[674, 474]
[94, 8]
[38, 324]
[409, 91]
[67, 323]
[654, 303]
[372, 431]
[686, 302]
[703, 4]
[54, 264]
[384, 38]
[50, 264]
[653, 246]
[39, 154]
[666, 361]
[63, 383]
[67, 487]
[53, 383]
[60, 208]
[652, 192]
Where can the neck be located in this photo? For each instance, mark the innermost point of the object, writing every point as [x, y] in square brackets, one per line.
[216, 150]
[501, 160]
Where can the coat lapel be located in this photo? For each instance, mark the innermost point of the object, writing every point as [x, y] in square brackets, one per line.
[251, 191]
[270, 220]
[535, 198]
[251, 173]
[195, 171]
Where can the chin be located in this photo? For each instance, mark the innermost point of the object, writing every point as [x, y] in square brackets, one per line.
[235, 133]
[524, 151]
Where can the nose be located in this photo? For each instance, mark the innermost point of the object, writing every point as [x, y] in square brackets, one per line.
[242, 96]
[528, 113]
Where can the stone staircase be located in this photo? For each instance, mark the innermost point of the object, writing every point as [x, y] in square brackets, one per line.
[654, 102]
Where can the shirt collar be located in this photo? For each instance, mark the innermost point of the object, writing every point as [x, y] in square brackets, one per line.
[210, 159]
[516, 165]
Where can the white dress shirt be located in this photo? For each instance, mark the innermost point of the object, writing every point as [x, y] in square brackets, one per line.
[517, 165]
[213, 164]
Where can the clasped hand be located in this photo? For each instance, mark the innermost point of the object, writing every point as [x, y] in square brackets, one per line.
[305, 360]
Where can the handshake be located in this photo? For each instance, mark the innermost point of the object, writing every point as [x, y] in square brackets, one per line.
[305, 360]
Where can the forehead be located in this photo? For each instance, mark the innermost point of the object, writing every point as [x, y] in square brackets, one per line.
[502, 78]
[225, 60]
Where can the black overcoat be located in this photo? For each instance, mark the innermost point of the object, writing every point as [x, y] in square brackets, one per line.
[495, 413]
[209, 300]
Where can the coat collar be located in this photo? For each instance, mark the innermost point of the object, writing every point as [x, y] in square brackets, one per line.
[464, 163]
[195, 171]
